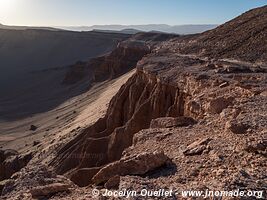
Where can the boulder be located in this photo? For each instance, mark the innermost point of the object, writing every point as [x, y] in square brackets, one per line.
[36, 142]
[258, 146]
[132, 165]
[2, 185]
[47, 190]
[13, 164]
[113, 183]
[197, 147]
[82, 177]
[4, 154]
[217, 105]
[236, 127]
[167, 122]
[10, 152]
[33, 128]
[193, 108]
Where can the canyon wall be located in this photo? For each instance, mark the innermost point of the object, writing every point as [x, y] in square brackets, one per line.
[144, 97]
[121, 60]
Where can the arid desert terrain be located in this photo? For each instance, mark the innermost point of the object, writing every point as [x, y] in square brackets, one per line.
[142, 111]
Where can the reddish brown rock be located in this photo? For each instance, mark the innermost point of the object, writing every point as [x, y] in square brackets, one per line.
[133, 165]
[196, 147]
[173, 81]
[258, 146]
[13, 164]
[2, 185]
[33, 128]
[138, 102]
[113, 183]
[82, 177]
[167, 122]
[217, 105]
[237, 127]
[47, 190]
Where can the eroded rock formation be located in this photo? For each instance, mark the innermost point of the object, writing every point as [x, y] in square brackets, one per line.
[140, 100]
[131, 165]
[185, 87]
[120, 60]
[11, 162]
[206, 111]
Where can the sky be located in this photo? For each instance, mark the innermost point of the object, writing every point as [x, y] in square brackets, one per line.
[126, 12]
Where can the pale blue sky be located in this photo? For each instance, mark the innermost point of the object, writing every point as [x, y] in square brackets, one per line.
[91, 12]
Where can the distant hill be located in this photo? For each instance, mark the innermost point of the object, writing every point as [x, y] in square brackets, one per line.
[243, 38]
[127, 29]
[124, 31]
[23, 53]
[178, 29]
[26, 28]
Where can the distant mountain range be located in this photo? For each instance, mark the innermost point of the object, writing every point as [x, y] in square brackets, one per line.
[127, 29]
[2, 26]
[178, 29]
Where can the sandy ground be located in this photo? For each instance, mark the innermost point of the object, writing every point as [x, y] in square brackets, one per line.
[77, 112]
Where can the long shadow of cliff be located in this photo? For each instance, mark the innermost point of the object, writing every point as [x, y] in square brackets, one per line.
[41, 91]
[38, 92]
[44, 90]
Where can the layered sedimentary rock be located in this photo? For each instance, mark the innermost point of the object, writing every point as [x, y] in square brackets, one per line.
[119, 61]
[224, 98]
[140, 100]
[122, 59]
[207, 113]
[184, 87]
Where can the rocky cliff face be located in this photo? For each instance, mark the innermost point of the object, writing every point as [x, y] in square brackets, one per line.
[186, 86]
[173, 85]
[243, 38]
[140, 100]
[184, 120]
[120, 60]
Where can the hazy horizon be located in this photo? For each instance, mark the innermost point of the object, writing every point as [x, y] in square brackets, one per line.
[51, 13]
[75, 25]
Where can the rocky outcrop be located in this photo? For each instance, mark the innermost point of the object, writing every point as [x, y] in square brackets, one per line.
[243, 38]
[217, 105]
[82, 177]
[112, 65]
[257, 146]
[12, 162]
[185, 91]
[121, 60]
[35, 181]
[140, 100]
[145, 97]
[133, 165]
[47, 190]
[2, 185]
[168, 122]
[196, 147]
[76, 73]
[113, 183]
[237, 127]
[161, 103]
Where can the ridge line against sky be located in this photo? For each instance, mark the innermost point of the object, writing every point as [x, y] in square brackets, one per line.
[126, 12]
